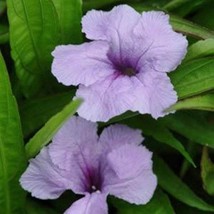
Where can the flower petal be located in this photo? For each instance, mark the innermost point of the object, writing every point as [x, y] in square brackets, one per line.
[90, 204]
[134, 180]
[81, 64]
[108, 98]
[75, 148]
[166, 47]
[139, 190]
[118, 135]
[160, 93]
[99, 25]
[130, 160]
[116, 27]
[75, 135]
[43, 179]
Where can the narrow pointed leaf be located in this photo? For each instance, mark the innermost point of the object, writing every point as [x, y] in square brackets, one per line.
[191, 126]
[203, 102]
[36, 27]
[46, 133]
[181, 25]
[175, 4]
[124, 116]
[12, 154]
[4, 34]
[190, 28]
[159, 132]
[2, 7]
[200, 49]
[34, 207]
[69, 16]
[34, 32]
[207, 172]
[173, 185]
[36, 112]
[194, 77]
[154, 128]
[97, 4]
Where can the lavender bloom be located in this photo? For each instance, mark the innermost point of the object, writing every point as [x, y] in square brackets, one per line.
[125, 67]
[77, 159]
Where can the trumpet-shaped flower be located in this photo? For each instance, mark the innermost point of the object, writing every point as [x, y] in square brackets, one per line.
[77, 159]
[124, 67]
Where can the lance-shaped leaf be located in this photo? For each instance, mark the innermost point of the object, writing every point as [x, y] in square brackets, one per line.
[69, 16]
[194, 77]
[4, 34]
[12, 155]
[2, 7]
[179, 24]
[159, 132]
[34, 207]
[190, 125]
[97, 4]
[190, 28]
[202, 102]
[36, 27]
[174, 4]
[207, 172]
[46, 133]
[200, 49]
[36, 112]
[173, 185]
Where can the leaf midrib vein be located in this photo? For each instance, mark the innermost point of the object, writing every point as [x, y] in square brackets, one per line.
[31, 34]
[3, 158]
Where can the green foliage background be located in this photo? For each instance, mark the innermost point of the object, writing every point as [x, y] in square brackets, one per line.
[182, 142]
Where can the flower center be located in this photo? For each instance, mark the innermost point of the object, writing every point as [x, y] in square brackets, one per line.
[128, 71]
[93, 181]
[94, 189]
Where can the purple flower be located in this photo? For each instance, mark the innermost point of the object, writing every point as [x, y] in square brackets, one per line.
[77, 159]
[125, 67]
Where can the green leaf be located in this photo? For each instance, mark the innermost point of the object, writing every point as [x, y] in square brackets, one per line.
[4, 34]
[2, 7]
[175, 4]
[183, 7]
[207, 172]
[12, 154]
[185, 209]
[200, 49]
[4, 38]
[204, 15]
[190, 28]
[124, 116]
[34, 32]
[194, 77]
[36, 112]
[46, 133]
[154, 128]
[159, 132]
[159, 204]
[34, 207]
[96, 4]
[181, 25]
[192, 149]
[202, 102]
[191, 126]
[36, 27]
[69, 14]
[151, 127]
[173, 185]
